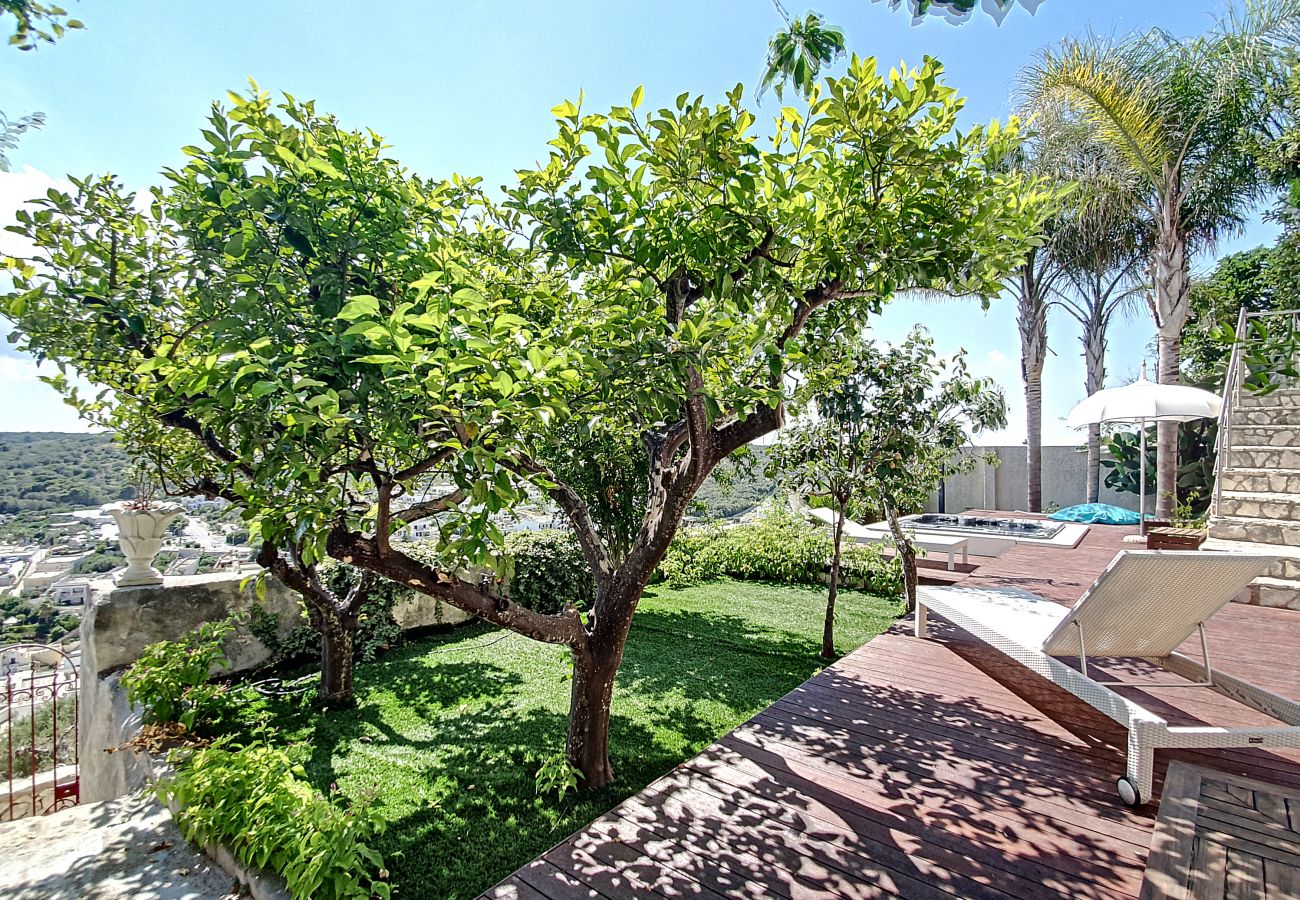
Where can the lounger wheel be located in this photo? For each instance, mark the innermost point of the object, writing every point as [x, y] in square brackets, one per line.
[1129, 793]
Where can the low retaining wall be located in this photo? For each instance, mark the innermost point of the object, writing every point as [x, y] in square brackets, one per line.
[120, 622]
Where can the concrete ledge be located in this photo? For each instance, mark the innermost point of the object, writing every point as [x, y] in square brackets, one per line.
[259, 883]
[121, 624]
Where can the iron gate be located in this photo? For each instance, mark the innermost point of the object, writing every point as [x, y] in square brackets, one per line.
[38, 731]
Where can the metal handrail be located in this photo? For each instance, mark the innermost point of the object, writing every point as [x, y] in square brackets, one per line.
[1232, 394]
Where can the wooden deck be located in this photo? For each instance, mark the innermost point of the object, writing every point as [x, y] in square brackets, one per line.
[929, 769]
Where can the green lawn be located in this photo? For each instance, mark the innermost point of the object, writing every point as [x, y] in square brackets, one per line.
[450, 730]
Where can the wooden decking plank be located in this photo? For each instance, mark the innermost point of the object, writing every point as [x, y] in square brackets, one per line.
[1039, 796]
[1015, 874]
[1063, 780]
[723, 875]
[612, 868]
[1029, 761]
[863, 837]
[713, 848]
[963, 815]
[780, 843]
[556, 883]
[1026, 810]
[868, 675]
[515, 888]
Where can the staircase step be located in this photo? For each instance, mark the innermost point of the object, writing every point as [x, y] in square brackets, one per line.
[1286, 435]
[1277, 592]
[1256, 457]
[1259, 531]
[1268, 481]
[1265, 415]
[1283, 397]
[1283, 507]
[1287, 566]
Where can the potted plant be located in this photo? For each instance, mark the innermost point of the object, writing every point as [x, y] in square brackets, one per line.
[142, 525]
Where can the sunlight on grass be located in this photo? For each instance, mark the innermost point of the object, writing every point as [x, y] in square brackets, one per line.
[450, 730]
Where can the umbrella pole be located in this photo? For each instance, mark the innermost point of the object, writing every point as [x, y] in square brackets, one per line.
[1142, 478]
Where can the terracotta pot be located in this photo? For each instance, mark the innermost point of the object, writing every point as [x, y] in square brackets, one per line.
[140, 534]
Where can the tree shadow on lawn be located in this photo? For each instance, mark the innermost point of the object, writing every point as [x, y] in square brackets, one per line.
[717, 657]
[449, 748]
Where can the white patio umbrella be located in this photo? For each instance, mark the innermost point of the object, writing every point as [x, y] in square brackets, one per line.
[1143, 402]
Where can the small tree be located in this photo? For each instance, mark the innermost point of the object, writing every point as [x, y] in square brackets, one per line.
[823, 457]
[335, 336]
[907, 412]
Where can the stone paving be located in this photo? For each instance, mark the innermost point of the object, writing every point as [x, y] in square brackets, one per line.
[127, 848]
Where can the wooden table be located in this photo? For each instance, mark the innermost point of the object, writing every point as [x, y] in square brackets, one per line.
[1224, 836]
[1168, 538]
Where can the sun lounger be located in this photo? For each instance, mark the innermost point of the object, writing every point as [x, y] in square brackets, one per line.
[1146, 604]
[865, 534]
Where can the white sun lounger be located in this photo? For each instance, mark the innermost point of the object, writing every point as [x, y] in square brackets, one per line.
[1146, 604]
[863, 534]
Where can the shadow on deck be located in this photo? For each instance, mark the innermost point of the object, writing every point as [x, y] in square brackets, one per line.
[927, 769]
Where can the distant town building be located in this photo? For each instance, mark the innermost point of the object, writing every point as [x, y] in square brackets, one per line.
[72, 592]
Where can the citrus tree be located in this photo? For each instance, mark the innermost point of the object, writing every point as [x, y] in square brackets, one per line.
[889, 426]
[346, 349]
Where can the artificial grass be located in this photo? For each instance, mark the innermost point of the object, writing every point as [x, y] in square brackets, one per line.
[449, 731]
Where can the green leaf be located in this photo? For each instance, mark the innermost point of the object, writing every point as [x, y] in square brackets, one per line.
[359, 307]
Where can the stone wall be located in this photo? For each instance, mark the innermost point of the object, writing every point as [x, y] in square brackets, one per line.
[123, 621]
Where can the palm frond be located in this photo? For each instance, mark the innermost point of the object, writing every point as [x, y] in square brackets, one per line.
[1098, 82]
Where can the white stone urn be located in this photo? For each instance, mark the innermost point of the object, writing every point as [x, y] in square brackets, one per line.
[140, 534]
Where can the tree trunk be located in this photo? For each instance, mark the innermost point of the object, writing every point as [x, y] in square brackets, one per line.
[587, 745]
[906, 552]
[1167, 435]
[1171, 280]
[1034, 438]
[1094, 356]
[1032, 321]
[1094, 463]
[338, 633]
[828, 629]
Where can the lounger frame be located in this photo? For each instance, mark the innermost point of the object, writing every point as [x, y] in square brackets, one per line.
[1147, 731]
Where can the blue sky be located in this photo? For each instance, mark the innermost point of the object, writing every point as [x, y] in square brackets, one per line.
[468, 88]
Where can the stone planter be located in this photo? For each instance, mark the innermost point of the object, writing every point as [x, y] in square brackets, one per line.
[140, 534]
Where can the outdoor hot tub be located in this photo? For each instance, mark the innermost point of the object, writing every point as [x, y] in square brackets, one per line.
[994, 535]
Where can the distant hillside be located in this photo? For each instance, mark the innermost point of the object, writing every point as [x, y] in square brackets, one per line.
[51, 472]
[734, 490]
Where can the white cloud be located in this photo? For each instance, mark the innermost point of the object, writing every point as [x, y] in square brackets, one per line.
[997, 357]
[16, 190]
[16, 370]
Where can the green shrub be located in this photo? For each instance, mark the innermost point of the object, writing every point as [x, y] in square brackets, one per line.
[254, 801]
[377, 630]
[549, 571]
[171, 678]
[779, 548]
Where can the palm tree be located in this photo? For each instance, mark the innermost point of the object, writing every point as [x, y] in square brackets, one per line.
[1174, 113]
[1033, 285]
[1102, 263]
